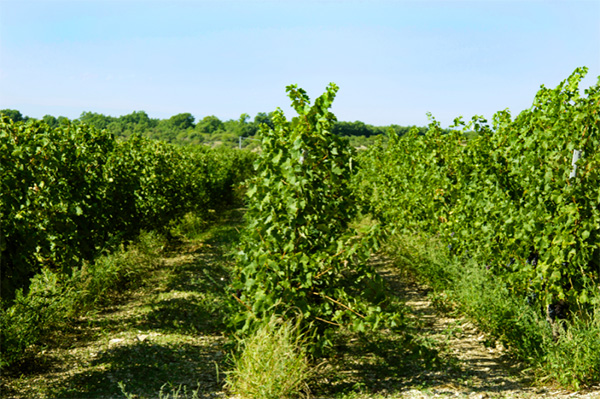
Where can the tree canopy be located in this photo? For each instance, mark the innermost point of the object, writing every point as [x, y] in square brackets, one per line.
[184, 129]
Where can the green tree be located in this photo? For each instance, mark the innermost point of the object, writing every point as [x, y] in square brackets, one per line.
[264, 118]
[99, 121]
[352, 129]
[209, 125]
[63, 121]
[13, 114]
[182, 121]
[50, 120]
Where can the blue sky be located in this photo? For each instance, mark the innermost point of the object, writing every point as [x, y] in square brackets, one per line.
[393, 60]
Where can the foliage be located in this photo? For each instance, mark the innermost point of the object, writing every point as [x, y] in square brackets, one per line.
[53, 298]
[505, 196]
[358, 128]
[13, 114]
[181, 129]
[363, 142]
[507, 201]
[272, 364]
[52, 202]
[298, 254]
[572, 359]
[67, 193]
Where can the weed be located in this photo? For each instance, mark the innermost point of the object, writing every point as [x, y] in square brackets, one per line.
[574, 359]
[176, 392]
[272, 363]
[190, 226]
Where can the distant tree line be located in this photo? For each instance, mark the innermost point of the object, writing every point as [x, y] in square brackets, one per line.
[183, 128]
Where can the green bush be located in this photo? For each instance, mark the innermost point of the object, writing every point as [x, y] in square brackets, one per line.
[25, 322]
[573, 359]
[298, 251]
[522, 227]
[508, 196]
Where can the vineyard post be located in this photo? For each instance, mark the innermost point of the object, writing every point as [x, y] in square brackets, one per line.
[576, 156]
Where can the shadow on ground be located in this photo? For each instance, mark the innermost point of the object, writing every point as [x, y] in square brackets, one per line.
[422, 354]
[145, 367]
[170, 332]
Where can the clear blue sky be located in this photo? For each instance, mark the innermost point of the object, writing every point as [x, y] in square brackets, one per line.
[393, 60]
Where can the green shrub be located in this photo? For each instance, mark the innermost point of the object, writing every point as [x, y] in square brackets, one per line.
[69, 192]
[298, 250]
[191, 225]
[511, 195]
[32, 315]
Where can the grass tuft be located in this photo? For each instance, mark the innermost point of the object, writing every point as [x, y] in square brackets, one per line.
[272, 363]
[191, 226]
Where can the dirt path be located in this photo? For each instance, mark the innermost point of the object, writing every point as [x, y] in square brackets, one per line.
[165, 333]
[479, 370]
[170, 332]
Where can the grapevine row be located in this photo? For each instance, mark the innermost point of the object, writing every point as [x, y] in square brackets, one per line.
[71, 191]
[509, 196]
